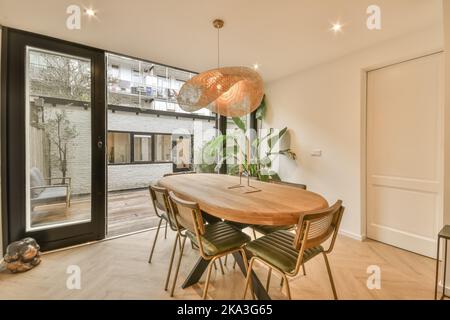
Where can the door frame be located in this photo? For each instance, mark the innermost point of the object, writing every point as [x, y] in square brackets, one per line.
[13, 71]
[364, 133]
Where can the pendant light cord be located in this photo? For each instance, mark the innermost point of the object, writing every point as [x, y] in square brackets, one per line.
[218, 48]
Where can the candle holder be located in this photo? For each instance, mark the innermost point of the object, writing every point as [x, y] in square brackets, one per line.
[249, 188]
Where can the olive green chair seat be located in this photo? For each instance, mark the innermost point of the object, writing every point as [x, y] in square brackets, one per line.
[238, 225]
[219, 237]
[277, 249]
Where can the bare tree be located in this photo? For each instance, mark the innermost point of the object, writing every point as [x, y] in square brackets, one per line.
[60, 133]
[61, 77]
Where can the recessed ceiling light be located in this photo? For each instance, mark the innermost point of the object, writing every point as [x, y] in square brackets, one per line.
[337, 27]
[90, 12]
[256, 66]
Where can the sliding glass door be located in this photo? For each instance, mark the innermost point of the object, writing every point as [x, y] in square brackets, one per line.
[55, 141]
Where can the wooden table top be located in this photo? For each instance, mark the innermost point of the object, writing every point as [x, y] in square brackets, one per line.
[274, 205]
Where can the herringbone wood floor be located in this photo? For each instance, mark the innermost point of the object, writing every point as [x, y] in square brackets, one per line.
[118, 269]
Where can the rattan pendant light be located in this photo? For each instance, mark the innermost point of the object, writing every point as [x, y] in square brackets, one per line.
[229, 91]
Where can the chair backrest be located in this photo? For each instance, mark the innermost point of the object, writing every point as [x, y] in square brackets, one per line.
[187, 214]
[160, 200]
[178, 173]
[296, 185]
[316, 227]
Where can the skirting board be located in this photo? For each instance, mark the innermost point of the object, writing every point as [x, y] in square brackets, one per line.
[352, 235]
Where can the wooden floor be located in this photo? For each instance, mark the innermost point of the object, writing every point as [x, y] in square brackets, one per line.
[118, 269]
[128, 211]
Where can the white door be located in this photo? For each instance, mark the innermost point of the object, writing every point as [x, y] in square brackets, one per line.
[405, 154]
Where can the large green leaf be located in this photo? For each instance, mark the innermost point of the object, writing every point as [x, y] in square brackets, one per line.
[239, 123]
[275, 138]
[289, 154]
[266, 161]
[261, 111]
[233, 169]
[213, 146]
[261, 163]
[267, 174]
[257, 142]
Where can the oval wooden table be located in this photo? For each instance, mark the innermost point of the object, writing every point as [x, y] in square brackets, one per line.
[262, 204]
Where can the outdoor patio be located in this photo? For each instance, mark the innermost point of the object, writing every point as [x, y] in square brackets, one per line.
[128, 211]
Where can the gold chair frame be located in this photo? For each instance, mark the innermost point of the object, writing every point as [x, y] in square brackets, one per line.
[160, 200]
[302, 242]
[193, 222]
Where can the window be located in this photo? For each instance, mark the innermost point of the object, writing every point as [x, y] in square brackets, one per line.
[134, 83]
[163, 146]
[136, 147]
[119, 147]
[142, 148]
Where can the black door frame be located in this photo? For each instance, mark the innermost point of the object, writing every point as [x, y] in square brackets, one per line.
[14, 43]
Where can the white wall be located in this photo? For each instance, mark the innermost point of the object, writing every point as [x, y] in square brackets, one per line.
[1, 230]
[447, 123]
[322, 107]
[447, 113]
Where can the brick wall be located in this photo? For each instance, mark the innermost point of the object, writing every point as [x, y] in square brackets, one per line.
[122, 177]
[79, 148]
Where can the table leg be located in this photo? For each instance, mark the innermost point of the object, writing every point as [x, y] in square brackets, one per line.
[437, 269]
[202, 264]
[196, 273]
[445, 269]
[258, 288]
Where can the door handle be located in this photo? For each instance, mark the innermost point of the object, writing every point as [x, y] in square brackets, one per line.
[100, 143]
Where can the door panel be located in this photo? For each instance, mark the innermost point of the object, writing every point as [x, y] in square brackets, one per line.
[58, 154]
[55, 140]
[404, 154]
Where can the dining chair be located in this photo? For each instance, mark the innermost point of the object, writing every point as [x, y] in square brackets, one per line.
[178, 173]
[204, 213]
[175, 174]
[285, 251]
[161, 205]
[264, 229]
[164, 218]
[214, 240]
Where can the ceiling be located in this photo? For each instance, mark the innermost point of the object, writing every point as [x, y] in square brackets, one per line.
[281, 36]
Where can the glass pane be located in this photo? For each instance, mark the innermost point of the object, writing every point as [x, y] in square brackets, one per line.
[182, 151]
[119, 147]
[58, 143]
[154, 87]
[233, 129]
[163, 146]
[140, 84]
[142, 148]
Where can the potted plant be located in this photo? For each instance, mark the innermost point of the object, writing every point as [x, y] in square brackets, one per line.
[263, 149]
